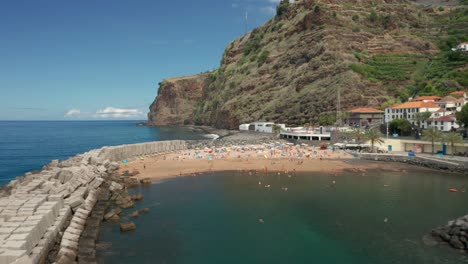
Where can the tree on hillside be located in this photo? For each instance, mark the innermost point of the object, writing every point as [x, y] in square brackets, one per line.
[432, 134]
[326, 119]
[373, 16]
[400, 125]
[374, 136]
[282, 8]
[462, 116]
[453, 138]
[276, 129]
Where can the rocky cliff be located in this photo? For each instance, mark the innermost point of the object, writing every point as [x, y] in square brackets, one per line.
[291, 69]
[177, 98]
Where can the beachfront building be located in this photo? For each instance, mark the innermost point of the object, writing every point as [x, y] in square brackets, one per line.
[408, 110]
[365, 116]
[244, 127]
[264, 127]
[306, 135]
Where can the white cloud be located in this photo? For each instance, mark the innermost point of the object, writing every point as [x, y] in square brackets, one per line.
[73, 112]
[113, 112]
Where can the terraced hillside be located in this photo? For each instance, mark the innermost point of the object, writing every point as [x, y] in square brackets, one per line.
[292, 68]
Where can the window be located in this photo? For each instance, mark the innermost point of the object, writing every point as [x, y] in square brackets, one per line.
[442, 122]
[436, 122]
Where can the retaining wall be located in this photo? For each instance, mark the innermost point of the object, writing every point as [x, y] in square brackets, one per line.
[122, 152]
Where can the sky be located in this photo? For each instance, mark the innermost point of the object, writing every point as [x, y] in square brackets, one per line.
[103, 59]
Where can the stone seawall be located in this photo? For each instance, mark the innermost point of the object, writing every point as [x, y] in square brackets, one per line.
[48, 216]
[421, 161]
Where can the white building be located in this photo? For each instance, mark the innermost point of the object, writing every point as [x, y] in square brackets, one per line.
[408, 110]
[445, 123]
[244, 127]
[461, 47]
[264, 127]
[451, 104]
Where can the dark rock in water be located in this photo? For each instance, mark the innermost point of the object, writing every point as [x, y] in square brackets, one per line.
[455, 231]
[127, 226]
[134, 214]
[463, 239]
[429, 241]
[145, 210]
[444, 236]
[456, 243]
[137, 197]
[145, 181]
[114, 218]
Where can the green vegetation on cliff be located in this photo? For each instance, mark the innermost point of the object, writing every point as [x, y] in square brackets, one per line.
[370, 51]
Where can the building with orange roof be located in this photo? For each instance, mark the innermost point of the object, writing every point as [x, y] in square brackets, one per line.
[444, 123]
[409, 110]
[452, 104]
[364, 116]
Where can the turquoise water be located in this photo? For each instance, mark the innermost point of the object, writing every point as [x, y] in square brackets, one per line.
[214, 219]
[28, 145]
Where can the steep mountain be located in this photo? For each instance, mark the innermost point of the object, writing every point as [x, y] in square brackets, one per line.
[290, 70]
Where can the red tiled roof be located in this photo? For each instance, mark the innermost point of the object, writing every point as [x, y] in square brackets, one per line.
[458, 93]
[441, 110]
[366, 110]
[415, 105]
[422, 98]
[447, 99]
[447, 118]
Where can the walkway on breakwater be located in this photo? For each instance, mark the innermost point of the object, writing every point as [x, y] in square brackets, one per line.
[433, 162]
[41, 210]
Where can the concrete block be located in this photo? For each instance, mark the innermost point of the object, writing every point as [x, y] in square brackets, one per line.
[9, 256]
[70, 236]
[11, 224]
[69, 244]
[7, 230]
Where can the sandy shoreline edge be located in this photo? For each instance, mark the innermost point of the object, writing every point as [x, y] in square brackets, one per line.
[64, 203]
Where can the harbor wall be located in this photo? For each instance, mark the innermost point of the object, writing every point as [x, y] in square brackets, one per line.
[55, 207]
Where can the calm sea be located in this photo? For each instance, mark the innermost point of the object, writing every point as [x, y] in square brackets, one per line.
[213, 219]
[27, 146]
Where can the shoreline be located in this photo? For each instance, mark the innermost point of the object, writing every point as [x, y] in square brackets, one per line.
[191, 163]
[62, 205]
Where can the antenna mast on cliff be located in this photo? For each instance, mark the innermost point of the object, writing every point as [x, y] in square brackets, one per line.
[338, 109]
[246, 21]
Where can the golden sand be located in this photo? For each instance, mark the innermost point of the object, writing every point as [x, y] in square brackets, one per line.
[254, 158]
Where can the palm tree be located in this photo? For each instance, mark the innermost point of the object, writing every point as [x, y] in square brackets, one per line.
[432, 134]
[358, 134]
[374, 136]
[276, 129]
[452, 138]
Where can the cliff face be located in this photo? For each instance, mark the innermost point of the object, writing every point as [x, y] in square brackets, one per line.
[291, 69]
[176, 100]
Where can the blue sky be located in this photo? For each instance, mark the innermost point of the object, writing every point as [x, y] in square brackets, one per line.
[102, 59]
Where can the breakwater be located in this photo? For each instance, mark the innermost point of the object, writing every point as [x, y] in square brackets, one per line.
[54, 215]
[421, 161]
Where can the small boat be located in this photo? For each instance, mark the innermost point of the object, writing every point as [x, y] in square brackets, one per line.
[212, 136]
[453, 190]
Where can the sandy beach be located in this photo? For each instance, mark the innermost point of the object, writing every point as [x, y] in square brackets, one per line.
[262, 158]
